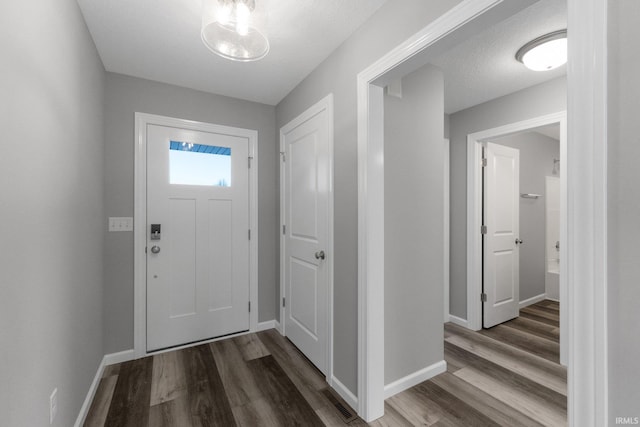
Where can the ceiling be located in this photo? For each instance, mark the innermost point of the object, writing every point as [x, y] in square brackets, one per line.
[552, 131]
[160, 40]
[484, 67]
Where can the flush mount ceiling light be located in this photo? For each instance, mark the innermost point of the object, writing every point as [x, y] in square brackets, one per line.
[545, 53]
[234, 29]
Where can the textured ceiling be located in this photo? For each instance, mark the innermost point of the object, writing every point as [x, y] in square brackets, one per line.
[484, 67]
[160, 40]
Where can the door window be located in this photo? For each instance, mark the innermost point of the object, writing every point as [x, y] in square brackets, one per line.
[199, 164]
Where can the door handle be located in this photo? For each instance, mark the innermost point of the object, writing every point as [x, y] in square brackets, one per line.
[320, 255]
[155, 249]
[518, 241]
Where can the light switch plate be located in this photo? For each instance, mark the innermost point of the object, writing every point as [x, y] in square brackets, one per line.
[120, 223]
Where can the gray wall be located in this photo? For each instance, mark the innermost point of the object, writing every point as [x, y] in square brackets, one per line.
[127, 95]
[624, 210]
[546, 98]
[393, 23]
[536, 163]
[413, 187]
[51, 192]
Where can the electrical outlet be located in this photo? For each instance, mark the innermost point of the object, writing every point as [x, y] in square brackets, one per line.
[53, 405]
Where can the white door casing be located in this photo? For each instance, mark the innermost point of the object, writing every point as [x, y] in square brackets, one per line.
[447, 230]
[501, 240]
[306, 145]
[217, 206]
[198, 284]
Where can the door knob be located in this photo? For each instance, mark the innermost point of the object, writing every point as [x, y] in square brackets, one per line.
[518, 241]
[320, 255]
[155, 249]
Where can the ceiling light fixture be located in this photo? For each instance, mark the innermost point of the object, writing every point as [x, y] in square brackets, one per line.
[544, 53]
[234, 29]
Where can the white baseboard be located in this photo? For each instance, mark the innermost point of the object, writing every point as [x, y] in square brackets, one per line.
[345, 393]
[552, 299]
[458, 321]
[84, 410]
[415, 378]
[533, 300]
[269, 324]
[123, 356]
[107, 359]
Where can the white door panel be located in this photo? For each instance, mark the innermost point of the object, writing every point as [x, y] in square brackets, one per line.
[501, 250]
[304, 296]
[307, 183]
[198, 283]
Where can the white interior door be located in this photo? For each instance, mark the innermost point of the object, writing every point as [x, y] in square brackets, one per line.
[198, 262]
[306, 277]
[501, 281]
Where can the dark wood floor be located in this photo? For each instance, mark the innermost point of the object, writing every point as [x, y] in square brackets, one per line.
[508, 376]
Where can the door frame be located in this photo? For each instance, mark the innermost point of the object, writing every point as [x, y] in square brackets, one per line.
[325, 104]
[142, 120]
[447, 227]
[474, 216]
[586, 263]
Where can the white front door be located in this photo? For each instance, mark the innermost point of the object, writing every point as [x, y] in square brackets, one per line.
[307, 186]
[501, 281]
[197, 236]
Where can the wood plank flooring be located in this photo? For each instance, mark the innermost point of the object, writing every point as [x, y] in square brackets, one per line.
[505, 376]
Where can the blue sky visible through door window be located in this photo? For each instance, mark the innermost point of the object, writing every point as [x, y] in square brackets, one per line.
[199, 164]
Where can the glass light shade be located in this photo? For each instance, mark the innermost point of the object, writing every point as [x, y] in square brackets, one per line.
[234, 29]
[545, 53]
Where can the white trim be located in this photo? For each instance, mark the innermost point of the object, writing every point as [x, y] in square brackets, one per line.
[415, 378]
[142, 120]
[344, 392]
[446, 229]
[474, 16]
[458, 321]
[533, 300]
[585, 301]
[552, 299]
[474, 242]
[254, 213]
[120, 357]
[325, 104]
[269, 324]
[86, 405]
[107, 359]
[474, 208]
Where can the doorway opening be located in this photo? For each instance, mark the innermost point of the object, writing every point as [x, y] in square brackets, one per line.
[586, 235]
[476, 220]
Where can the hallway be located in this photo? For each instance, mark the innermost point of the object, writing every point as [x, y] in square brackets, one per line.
[508, 375]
